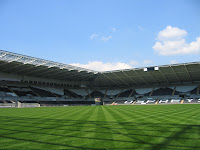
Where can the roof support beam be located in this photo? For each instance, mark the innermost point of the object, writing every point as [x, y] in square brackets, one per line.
[153, 77]
[164, 76]
[130, 77]
[37, 62]
[99, 79]
[106, 81]
[188, 73]
[175, 74]
[47, 71]
[34, 71]
[25, 69]
[65, 77]
[3, 63]
[17, 58]
[121, 79]
[29, 62]
[11, 68]
[111, 79]
[98, 82]
[58, 75]
[63, 74]
[85, 78]
[141, 77]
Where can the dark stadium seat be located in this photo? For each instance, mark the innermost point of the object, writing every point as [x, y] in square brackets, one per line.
[126, 93]
[42, 93]
[162, 91]
[97, 94]
[71, 94]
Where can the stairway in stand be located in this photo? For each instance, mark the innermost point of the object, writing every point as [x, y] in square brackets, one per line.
[157, 101]
[133, 103]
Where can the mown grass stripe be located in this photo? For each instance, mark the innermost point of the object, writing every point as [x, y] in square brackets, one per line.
[101, 127]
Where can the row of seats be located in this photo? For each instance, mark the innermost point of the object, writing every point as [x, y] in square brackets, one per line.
[163, 101]
[6, 91]
[108, 102]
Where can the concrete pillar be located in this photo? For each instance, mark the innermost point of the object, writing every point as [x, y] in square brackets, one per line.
[18, 104]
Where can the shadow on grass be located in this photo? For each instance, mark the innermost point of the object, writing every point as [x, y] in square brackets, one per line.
[145, 137]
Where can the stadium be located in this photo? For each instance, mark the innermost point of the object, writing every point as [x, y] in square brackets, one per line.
[99, 75]
[142, 120]
[29, 82]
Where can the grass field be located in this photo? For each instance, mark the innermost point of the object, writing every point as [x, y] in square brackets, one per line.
[149, 127]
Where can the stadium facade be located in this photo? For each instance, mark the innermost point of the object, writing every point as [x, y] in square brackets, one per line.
[28, 81]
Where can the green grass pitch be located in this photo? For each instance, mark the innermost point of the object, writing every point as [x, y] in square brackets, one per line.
[152, 127]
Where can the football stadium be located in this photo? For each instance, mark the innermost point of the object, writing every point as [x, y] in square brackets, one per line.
[50, 105]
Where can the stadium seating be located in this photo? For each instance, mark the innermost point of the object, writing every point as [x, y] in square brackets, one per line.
[189, 100]
[22, 91]
[175, 100]
[41, 92]
[141, 101]
[126, 93]
[128, 102]
[96, 94]
[163, 101]
[150, 101]
[162, 91]
[54, 96]
[81, 92]
[144, 91]
[71, 94]
[185, 88]
[113, 93]
[7, 94]
[56, 91]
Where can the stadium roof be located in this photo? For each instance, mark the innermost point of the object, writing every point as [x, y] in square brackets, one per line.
[31, 66]
[159, 75]
[166, 74]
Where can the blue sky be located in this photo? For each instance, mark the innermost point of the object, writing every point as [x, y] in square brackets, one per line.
[103, 34]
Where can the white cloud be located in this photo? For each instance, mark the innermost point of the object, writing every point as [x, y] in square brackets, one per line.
[114, 29]
[172, 42]
[106, 38]
[171, 33]
[147, 62]
[100, 66]
[94, 36]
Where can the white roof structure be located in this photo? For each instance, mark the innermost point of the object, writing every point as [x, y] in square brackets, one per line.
[167, 74]
[26, 65]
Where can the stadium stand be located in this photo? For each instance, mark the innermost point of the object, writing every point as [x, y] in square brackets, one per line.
[185, 88]
[175, 100]
[32, 82]
[163, 101]
[144, 91]
[127, 93]
[140, 101]
[150, 101]
[113, 93]
[96, 94]
[42, 92]
[80, 92]
[162, 91]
